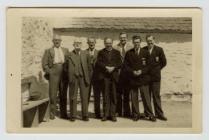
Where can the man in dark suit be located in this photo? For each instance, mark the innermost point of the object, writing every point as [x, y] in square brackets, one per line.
[109, 62]
[95, 83]
[123, 107]
[78, 72]
[54, 63]
[136, 64]
[157, 63]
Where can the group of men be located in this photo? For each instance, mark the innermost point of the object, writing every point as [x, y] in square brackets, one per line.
[117, 74]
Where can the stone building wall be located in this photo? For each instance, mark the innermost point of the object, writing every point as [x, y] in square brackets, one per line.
[36, 37]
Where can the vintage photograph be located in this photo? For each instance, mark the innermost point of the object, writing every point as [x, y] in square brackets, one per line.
[99, 71]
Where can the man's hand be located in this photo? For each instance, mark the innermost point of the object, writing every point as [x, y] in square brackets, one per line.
[109, 69]
[137, 72]
[112, 69]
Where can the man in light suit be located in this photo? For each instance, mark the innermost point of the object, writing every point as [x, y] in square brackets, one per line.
[123, 107]
[54, 63]
[78, 73]
[95, 83]
[157, 63]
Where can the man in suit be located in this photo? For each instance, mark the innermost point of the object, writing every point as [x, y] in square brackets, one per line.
[54, 63]
[136, 64]
[109, 62]
[78, 72]
[123, 107]
[157, 63]
[95, 83]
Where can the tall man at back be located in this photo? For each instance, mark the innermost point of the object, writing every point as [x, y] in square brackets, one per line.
[109, 62]
[95, 83]
[123, 107]
[157, 63]
[55, 66]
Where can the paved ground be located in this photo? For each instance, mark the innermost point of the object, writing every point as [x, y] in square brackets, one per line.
[179, 115]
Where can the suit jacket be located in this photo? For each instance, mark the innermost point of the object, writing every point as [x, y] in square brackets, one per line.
[48, 59]
[84, 65]
[157, 62]
[105, 59]
[122, 73]
[93, 70]
[139, 61]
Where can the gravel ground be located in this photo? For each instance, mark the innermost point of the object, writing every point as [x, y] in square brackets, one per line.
[179, 115]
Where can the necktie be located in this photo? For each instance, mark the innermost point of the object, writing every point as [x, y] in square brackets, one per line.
[123, 52]
[136, 51]
[150, 50]
[91, 56]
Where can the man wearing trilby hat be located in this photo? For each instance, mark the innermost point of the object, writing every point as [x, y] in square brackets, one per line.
[55, 67]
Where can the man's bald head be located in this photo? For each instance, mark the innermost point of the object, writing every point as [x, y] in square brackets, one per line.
[108, 42]
[107, 39]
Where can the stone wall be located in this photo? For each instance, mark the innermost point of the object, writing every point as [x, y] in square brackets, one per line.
[36, 37]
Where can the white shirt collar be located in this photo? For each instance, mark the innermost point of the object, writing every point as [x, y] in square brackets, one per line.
[60, 59]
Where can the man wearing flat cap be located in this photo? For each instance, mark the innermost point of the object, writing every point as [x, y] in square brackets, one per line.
[54, 64]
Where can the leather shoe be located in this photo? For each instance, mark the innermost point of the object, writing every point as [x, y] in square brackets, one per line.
[64, 117]
[52, 117]
[142, 116]
[113, 119]
[85, 119]
[104, 119]
[163, 118]
[135, 118]
[72, 119]
[98, 117]
[127, 115]
[152, 118]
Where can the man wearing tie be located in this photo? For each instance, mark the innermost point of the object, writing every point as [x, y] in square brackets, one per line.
[95, 83]
[54, 64]
[123, 107]
[136, 64]
[109, 62]
[78, 73]
[157, 63]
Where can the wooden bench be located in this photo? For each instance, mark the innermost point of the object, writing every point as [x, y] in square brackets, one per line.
[34, 112]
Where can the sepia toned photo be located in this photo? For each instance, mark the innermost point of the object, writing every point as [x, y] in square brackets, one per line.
[105, 70]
